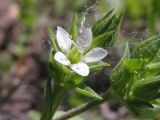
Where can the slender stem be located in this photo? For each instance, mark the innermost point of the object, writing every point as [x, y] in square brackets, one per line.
[58, 98]
[46, 115]
[53, 99]
[85, 107]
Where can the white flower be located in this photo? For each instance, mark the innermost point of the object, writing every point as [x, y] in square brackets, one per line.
[83, 42]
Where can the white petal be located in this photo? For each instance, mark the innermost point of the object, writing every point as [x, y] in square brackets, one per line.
[94, 55]
[87, 32]
[61, 58]
[84, 39]
[63, 39]
[80, 68]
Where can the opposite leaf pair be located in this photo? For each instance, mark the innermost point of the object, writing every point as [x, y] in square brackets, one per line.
[137, 76]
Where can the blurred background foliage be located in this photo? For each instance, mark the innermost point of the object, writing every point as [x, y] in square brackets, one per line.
[24, 51]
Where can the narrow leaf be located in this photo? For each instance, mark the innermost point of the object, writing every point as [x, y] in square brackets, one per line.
[110, 22]
[97, 26]
[141, 103]
[102, 40]
[153, 69]
[147, 87]
[116, 28]
[97, 66]
[104, 26]
[87, 91]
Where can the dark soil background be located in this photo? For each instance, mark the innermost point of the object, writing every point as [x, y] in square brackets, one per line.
[24, 51]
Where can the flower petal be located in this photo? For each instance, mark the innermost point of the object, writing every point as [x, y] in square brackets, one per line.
[80, 68]
[61, 58]
[94, 55]
[84, 39]
[63, 39]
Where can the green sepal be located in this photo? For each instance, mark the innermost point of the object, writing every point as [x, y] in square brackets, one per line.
[97, 66]
[74, 29]
[148, 49]
[87, 91]
[75, 55]
[56, 69]
[147, 87]
[53, 41]
[74, 80]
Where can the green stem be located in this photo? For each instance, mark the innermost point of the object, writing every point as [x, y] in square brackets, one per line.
[87, 106]
[152, 23]
[152, 19]
[46, 115]
[53, 98]
[59, 95]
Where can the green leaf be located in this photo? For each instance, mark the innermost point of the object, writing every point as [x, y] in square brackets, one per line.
[105, 26]
[74, 80]
[47, 112]
[102, 40]
[87, 91]
[74, 31]
[117, 72]
[155, 96]
[102, 25]
[153, 69]
[110, 22]
[116, 28]
[132, 65]
[141, 103]
[97, 66]
[119, 77]
[147, 87]
[148, 49]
